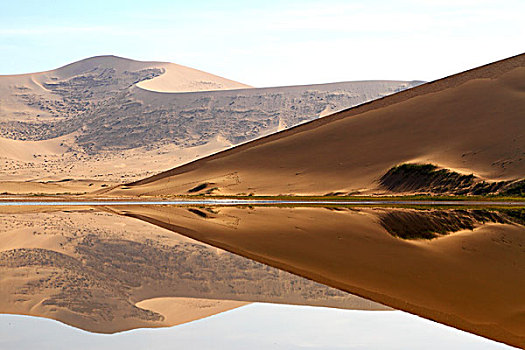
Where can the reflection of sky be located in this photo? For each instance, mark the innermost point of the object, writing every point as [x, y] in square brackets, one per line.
[270, 42]
[256, 326]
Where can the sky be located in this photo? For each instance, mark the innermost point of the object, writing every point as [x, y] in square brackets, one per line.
[267, 43]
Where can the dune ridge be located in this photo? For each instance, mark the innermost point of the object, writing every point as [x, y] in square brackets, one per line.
[104, 121]
[470, 122]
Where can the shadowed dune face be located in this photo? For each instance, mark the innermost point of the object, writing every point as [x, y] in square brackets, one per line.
[107, 273]
[471, 123]
[463, 268]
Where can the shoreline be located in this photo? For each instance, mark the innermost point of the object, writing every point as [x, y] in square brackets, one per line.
[255, 202]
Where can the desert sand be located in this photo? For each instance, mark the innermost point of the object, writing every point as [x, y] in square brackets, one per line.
[177, 78]
[107, 273]
[462, 268]
[118, 120]
[471, 123]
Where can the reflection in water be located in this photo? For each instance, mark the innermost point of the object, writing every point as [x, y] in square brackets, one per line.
[414, 224]
[255, 326]
[104, 272]
[471, 279]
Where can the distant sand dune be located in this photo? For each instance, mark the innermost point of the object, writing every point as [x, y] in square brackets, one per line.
[177, 78]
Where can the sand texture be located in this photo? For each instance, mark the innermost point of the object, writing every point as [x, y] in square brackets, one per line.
[471, 123]
[113, 119]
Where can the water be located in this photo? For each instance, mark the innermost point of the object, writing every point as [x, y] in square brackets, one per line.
[257, 326]
[119, 266]
[235, 202]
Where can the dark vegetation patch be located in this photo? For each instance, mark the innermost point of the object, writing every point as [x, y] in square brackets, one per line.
[428, 178]
[516, 189]
[63, 180]
[198, 212]
[211, 190]
[199, 187]
[429, 224]
[425, 177]
[335, 194]
[516, 215]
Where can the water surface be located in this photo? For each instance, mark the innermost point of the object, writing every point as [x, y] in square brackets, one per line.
[256, 326]
[115, 267]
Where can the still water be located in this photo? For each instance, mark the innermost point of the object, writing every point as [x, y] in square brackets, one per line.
[203, 271]
[255, 326]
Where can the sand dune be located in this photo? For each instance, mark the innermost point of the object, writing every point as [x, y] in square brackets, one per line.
[463, 268]
[471, 122]
[172, 78]
[29, 150]
[122, 120]
[177, 78]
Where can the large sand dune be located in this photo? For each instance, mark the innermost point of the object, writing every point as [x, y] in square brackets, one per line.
[33, 96]
[471, 122]
[121, 120]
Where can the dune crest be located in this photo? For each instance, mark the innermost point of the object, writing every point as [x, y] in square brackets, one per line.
[472, 121]
[104, 118]
[177, 78]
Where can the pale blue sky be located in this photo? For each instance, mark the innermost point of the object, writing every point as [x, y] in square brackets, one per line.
[267, 43]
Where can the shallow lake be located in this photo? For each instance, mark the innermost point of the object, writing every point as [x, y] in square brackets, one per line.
[284, 276]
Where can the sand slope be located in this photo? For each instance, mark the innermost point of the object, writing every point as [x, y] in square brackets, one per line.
[471, 122]
[177, 78]
[122, 120]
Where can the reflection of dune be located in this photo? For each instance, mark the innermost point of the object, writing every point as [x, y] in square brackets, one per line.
[181, 310]
[107, 273]
[471, 279]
